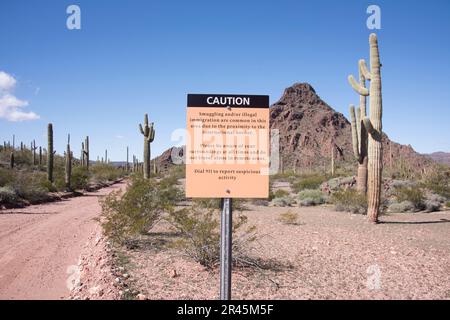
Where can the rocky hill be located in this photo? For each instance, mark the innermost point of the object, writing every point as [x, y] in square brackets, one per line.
[308, 129]
[440, 157]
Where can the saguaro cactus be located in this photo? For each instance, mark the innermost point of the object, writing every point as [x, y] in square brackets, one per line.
[149, 135]
[40, 156]
[359, 132]
[127, 166]
[373, 125]
[50, 152]
[86, 152]
[11, 160]
[68, 171]
[33, 150]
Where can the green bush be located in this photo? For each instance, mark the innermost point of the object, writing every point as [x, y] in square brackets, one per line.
[8, 196]
[282, 202]
[200, 234]
[104, 172]
[413, 194]
[138, 209]
[405, 206]
[431, 206]
[438, 181]
[31, 186]
[280, 193]
[7, 177]
[80, 178]
[309, 182]
[311, 197]
[350, 201]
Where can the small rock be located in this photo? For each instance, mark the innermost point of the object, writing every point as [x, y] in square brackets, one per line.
[140, 296]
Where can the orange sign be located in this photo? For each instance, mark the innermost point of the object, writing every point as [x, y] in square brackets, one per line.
[227, 146]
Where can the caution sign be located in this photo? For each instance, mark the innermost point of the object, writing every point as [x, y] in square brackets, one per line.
[227, 146]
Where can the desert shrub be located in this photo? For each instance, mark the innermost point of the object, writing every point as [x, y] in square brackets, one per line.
[280, 193]
[404, 206]
[104, 172]
[178, 172]
[447, 204]
[259, 202]
[431, 206]
[8, 196]
[200, 234]
[403, 184]
[48, 186]
[438, 181]
[80, 178]
[311, 197]
[7, 176]
[138, 209]
[289, 218]
[31, 186]
[336, 184]
[282, 202]
[350, 201]
[309, 182]
[412, 194]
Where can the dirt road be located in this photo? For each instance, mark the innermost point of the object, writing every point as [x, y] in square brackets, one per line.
[40, 245]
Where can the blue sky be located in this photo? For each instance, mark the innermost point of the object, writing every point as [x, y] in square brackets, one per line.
[132, 57]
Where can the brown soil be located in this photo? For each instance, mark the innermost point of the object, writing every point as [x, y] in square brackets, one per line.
[40, 246]
[328, 255]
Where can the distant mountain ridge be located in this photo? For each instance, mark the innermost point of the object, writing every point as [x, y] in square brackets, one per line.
[440, 157]
[309, 127]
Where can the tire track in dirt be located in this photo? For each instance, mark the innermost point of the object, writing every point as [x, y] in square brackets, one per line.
[39, 244]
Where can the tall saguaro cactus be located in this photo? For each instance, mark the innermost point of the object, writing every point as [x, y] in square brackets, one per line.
[359, 132]
[128, 165]
[86, 152]
[50, 152]
[373, 125]
[149, 135]
[11, 160]
[68, 171]
[33, 150]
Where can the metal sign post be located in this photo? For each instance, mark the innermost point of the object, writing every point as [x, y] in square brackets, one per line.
[226, 243]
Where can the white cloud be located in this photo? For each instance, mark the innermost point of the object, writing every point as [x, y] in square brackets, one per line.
[7, 82]
[119, 136]
[10, 106]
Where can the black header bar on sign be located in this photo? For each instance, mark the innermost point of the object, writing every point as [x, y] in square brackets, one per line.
[227, 100]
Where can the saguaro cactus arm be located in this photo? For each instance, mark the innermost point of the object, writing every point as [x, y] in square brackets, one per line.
[355, 138]
[370, 129]
[357, 87]
[364, 70]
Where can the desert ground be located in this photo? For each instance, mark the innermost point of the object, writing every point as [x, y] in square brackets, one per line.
[40, 245]
[47, 249]
[328, 255]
